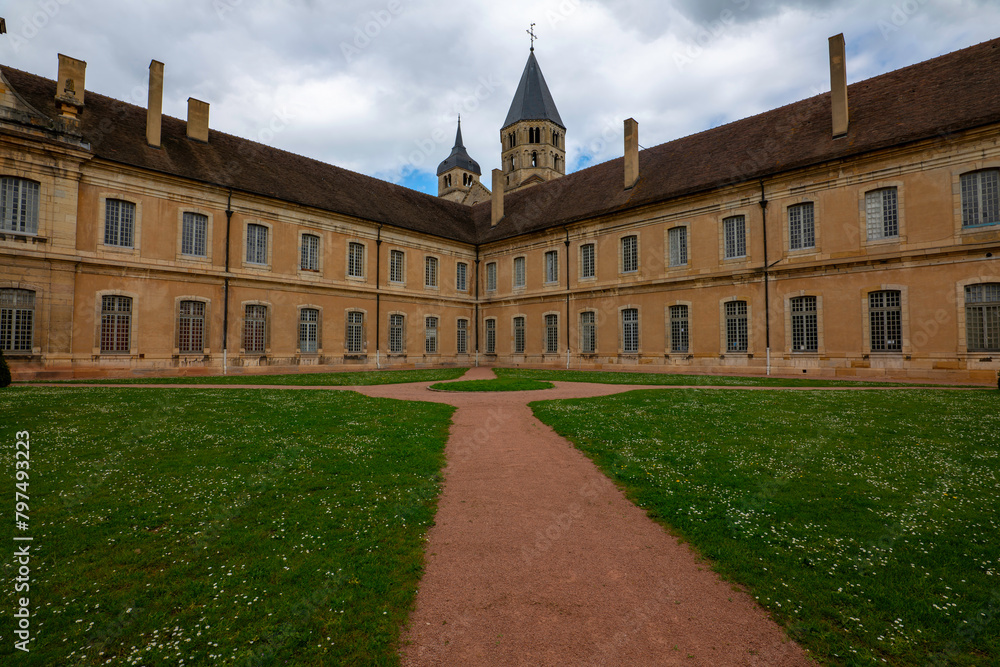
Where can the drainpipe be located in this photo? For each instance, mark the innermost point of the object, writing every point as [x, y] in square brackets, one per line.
[566, 229]
[767, 291]
[378, 295]
[225, 289]
[477, 306]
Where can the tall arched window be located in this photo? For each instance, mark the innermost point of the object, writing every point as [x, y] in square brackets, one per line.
[534, 159]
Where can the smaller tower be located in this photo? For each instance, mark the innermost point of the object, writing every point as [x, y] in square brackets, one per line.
[458, 176]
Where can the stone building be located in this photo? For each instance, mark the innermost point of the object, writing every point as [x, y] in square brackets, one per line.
[853, 234]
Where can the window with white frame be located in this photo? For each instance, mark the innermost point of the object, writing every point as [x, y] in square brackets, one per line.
[491, 336]
[194, 234]
[519, 335]
[679, 336]
[397, 323]
[630, 254]
[520, 274]
[981, 198]
[256, 244]
[116, 324]
[587, 263]
[677, 239]
[461, 276]
[430, 272]
[17, 320]
[18, 205]
[309, 253]
[308, 330]
[255, 328]
[191, 327]
[355, 335]
[734, 236]
[805, 329]
[551, 334]
[881, 214]
[885, 317]
[355, 260]
[462, 336]
[552, 266]
[491, 277]
[801, 226]
[431, 335]
[588, 332]
[982, 317]
[630, 331]
[737, 339]
[119, 223]
[396, 266]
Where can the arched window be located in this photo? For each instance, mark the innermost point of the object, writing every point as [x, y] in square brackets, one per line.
[447, 181]
[534, 159]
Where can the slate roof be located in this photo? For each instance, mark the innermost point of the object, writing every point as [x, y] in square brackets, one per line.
[459, 157]
[532, 101]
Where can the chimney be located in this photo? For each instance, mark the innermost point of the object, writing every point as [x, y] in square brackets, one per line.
[838, 85]
[197, 125]
[70, 86]
[154, 111]
[631, 153]
[497, 214]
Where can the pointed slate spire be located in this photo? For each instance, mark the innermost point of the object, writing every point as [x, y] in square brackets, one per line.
[459, 156]
[532, 101]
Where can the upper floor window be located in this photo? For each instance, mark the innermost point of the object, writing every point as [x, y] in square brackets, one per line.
[534, 135]
[17, 317]
[588, 332]
[431, 272]
[520, 275]
[18, 205]
[511, 139]
[191, 327]
[881, 214]
[396, 333]
[256, 244]
[116, 324]
[737, 337]
[119, 223]
[194, 235]
[462, 337]
[461, 276]
[981, 198]
[587, 266]
[255, 329]
[519, 335]
[551, 334]
[552, 266]
[679, 336]
[801, 227]
[447, 181]
[885, 315]
[308, 330]
[309, 253]
[355, 336]
[735, 238]
[491, 336]
[534, 159]
[396, 258]
[677, 239]
[431, 335]
[555, 138]
[630, 254]
[805, 332]
[630, 331]
[491, 277]
[982, 317]
[355, 260]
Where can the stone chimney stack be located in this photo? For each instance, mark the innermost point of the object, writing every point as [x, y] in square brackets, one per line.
[497, 213]
[631, 153]
[154, 110]
[70, 87]
[197, 125]
[838, 85]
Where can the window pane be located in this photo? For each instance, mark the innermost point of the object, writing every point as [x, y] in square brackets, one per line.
[17, 315]
[587, 261]
[551, 266]
[588, 332]
[677, 240]
[518, 335]
[430, 335]
[119, 221]
[462, 337]
[194, 235]
[736, 326]
[630, 330]
[630, 254]
[430, 272]
[734, 230]
[519, 272]
[19, 205]
[356, 260]
[355, 331]
[309, 255]
[308, 330]
[256, 244]
[801, 231]
[191, 327]
[805, 335]
[461, 276]
[396, 266]
[491, 276]
[981, 198]
[885, 321]
[982, 317]
[396, 333]
[679, 338]
[551, 334]
[254, 329]
[116, 323]
[491, 336]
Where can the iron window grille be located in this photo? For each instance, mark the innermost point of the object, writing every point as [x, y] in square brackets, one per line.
[677, 239]
[551, 334]
[430, 272]
[355, 260]
[630, 331]
[396, 324]
[518, 335]
[431, 335]
[491, 336]
[587, 264]
[355, 339]
[462, 337]
[630, 254]
[520, 276]
[396, 258]
[309, 255]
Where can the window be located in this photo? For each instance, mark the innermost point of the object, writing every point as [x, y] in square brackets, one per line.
[534, 135]
[587, 267]
[430, 272]
[734, 230]
[981, 198]
[491, 277]
[194, 234]
[191, 327]
[511, 139]
[881, 216]
[447, 181]
[677, 239]
[116, 324]
[396, 258]
[552, 266]
[396, 333]
[679, 337]
[534, 159]
[805, 333]
[555, 138]
[17, 317]
[256, 244]
[462, 337]
[630, 254]
[885, 315]
[801, 227]
[491, 336]
[461, 276]
[18, 205]
[355, 260]
[982, 317]
[255, 329]
[309, 254]
[431, 335]
[588, 332]
[119, 223]
[308, 330]
[519, 272]
[630, 331]
[551, 334]
[519, 335]
[736, 326]
[355, 337]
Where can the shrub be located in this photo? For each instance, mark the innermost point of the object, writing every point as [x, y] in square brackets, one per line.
[4, 372]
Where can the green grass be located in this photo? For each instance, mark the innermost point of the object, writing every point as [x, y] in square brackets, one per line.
[351, 378]
[866, 522]
[633, 377]
[500, 384]
[244, 527]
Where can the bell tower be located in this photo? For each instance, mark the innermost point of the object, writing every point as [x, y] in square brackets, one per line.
[458, 175]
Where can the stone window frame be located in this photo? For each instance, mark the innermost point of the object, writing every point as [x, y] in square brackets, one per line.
[458, 338]
[687, 247]
[253, 266]
[206, 326]
[971, 234]
[872, 186]
[319, 329]
[621, 253]
[268, 318]
[904, 305]
[721, 224]
[786, 232]
[402, 340]
[820, 338]
[133, 323]
[723, 332]
[352, 243]
[402, 266]
[320, 263]
[513, 334]
[621, 330]
[209, 224]
[593, 245]
[524, 273]
[668, 339]
[136, 201]
[580, 332]
[545, 332]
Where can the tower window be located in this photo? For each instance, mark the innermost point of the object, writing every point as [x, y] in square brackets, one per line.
[447, 181]
[555, 138]
[534, 159]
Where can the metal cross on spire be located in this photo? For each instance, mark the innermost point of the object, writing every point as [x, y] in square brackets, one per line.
[533, 37]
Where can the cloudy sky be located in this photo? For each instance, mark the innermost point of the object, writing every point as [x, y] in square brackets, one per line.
[375, 86]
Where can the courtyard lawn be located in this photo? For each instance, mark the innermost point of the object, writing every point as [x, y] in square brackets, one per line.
[499, 384]
[303, 379]
[235, 527]
[867, 522]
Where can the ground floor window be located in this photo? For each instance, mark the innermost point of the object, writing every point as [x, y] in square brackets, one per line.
[462, 337]
[588, 332]
[431, 335]
[191, 327]
[17, 317]
[396, 323]
[737, 338]
[679, 338]
[630, 331]
[255, 329]
[308, 330]
[551, 334]
[518, 335]
[885, 315]
[116, 324]
[491, 336]
[354, 340]
[982, 317]
[805, 331]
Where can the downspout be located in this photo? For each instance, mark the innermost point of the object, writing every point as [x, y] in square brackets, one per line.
[477, 306]
[767, 291]
[566, 229]
[378, 295]
[225, 289]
